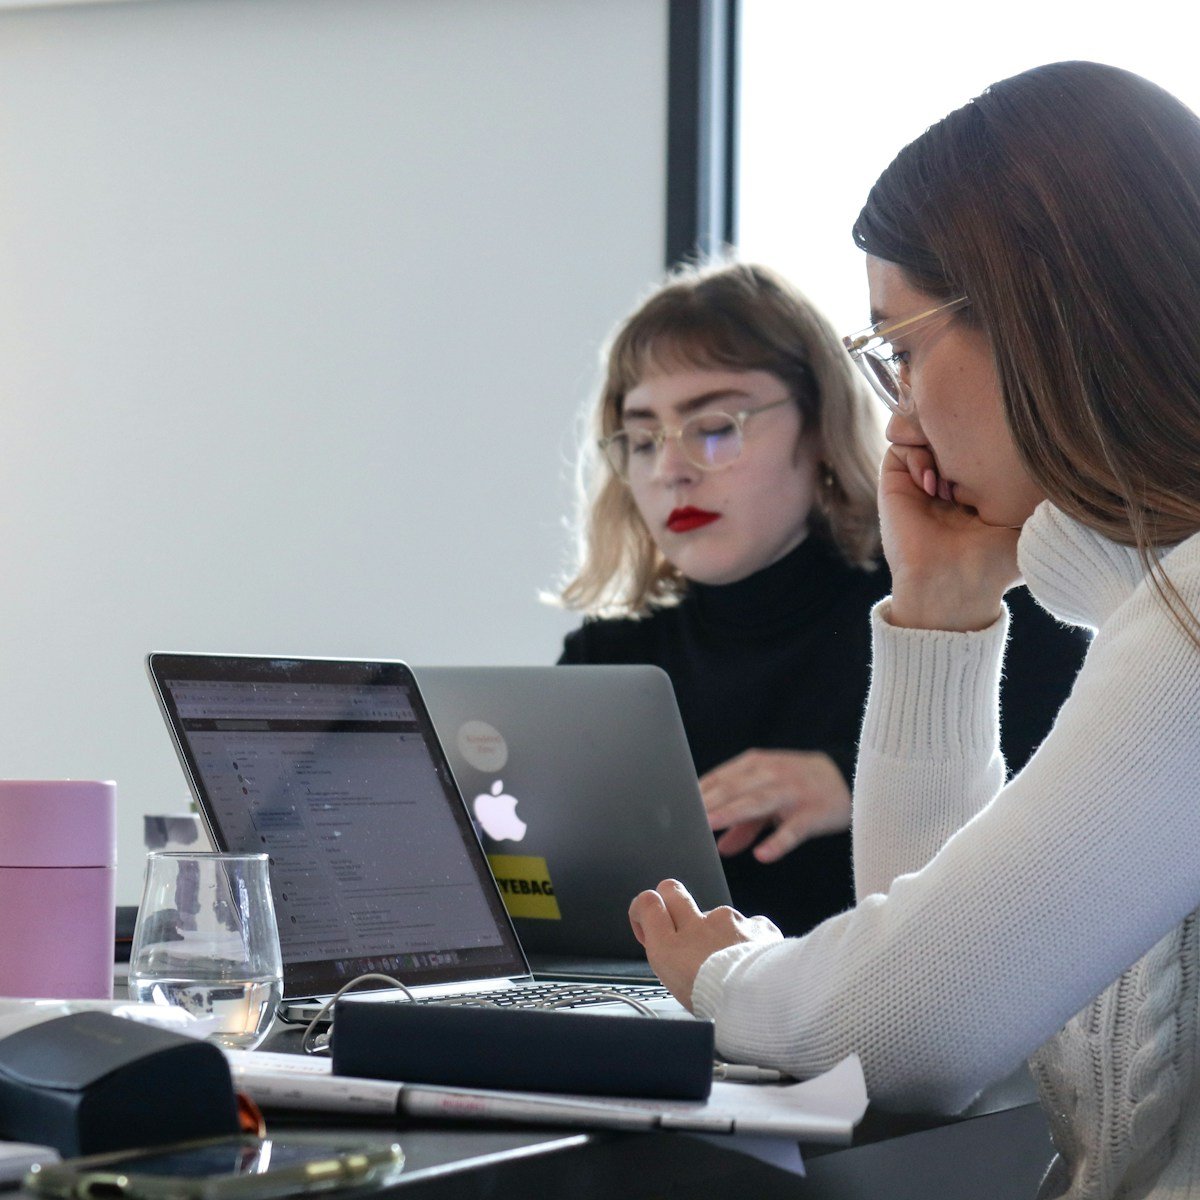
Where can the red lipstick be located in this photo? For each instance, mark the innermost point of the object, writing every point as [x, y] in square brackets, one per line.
[683, 520]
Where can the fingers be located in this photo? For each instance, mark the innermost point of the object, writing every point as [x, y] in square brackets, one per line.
[830, 813]
[759, 804]
[918, 463]
[787, 834]
[803, 823]
[818, 804]
[717, 776]
[784, 840]
[679, 903]
[740, 837]
[649, 917]
[754, 785]
[798, 793]
[665, 910]
[722, 784]
[762, 928]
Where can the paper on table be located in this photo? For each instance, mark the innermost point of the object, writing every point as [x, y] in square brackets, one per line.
[825, 1108]
[776, 1152]
[18, 1014]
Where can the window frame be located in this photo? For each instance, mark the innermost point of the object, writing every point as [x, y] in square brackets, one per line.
[702, 88]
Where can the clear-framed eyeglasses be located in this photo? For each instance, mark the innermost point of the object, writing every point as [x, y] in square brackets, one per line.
[709, 441]
[876, 357]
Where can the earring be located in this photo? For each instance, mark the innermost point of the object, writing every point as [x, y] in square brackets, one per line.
[826, 487]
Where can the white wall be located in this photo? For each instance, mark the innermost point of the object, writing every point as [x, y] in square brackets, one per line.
[298, 303]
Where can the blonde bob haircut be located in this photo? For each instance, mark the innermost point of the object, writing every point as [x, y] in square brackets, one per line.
[726, 316]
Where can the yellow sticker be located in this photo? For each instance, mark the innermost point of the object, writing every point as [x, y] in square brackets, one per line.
[524, 882]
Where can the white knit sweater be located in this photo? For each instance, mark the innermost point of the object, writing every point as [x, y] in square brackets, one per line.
[989, 916]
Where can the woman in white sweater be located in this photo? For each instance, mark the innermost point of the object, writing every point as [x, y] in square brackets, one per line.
[1034, 270]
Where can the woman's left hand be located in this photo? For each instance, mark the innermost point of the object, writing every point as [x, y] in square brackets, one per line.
[949, 569]
[797, 794]
[679, 938]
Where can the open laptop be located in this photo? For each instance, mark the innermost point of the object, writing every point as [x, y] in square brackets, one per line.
[334, 769]
[583, 792]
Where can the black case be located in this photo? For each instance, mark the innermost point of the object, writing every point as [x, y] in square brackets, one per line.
[526, 1050]
[91, 1082]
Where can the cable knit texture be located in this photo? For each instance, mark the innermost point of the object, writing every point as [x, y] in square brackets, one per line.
[996, 921]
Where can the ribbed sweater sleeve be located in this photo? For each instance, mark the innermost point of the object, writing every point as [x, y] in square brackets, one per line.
[968, 949]
[929, 756]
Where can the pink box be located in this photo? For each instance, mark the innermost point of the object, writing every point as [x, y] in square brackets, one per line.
[58, 854]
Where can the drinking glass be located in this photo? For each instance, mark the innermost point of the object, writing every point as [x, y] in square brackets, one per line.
[206, 940]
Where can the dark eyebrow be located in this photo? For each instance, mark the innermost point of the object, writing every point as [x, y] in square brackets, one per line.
[687, 406]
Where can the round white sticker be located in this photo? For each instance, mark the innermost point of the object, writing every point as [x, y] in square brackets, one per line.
[482, 746]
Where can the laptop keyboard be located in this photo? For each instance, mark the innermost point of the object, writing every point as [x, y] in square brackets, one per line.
[645, 998]
[560, 995]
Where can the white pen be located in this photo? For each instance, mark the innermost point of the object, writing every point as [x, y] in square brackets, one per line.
[304, 1087]
[317, 1091]
[433, 1102]
[744, 1073]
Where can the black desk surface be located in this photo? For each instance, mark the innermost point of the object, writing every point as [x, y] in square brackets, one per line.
[1000, 1156]
[997, 1156]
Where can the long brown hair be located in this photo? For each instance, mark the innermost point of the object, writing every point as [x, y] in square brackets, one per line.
[1065, 202]
[726, 315]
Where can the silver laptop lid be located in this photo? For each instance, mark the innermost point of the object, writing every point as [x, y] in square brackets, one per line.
[583, 790]
[334, 769]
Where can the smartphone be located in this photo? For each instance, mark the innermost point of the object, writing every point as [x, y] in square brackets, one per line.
[227, 1168]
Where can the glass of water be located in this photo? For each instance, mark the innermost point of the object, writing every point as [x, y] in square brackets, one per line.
[206, 940]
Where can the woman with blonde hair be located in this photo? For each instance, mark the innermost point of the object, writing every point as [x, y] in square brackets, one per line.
[1033, 262]
[730, 535]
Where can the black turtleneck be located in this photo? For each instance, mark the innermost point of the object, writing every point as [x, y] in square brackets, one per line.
[781, 661]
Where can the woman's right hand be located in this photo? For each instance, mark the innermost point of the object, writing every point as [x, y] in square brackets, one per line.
[949, 569]
[679, 938]
[788, 795]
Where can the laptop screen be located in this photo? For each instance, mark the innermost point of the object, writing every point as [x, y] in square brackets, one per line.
[334, 770]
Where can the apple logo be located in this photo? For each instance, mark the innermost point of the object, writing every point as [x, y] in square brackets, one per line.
[497, 813]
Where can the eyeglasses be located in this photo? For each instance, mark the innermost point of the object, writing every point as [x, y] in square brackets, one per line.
[709, 441]
[873, 354]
